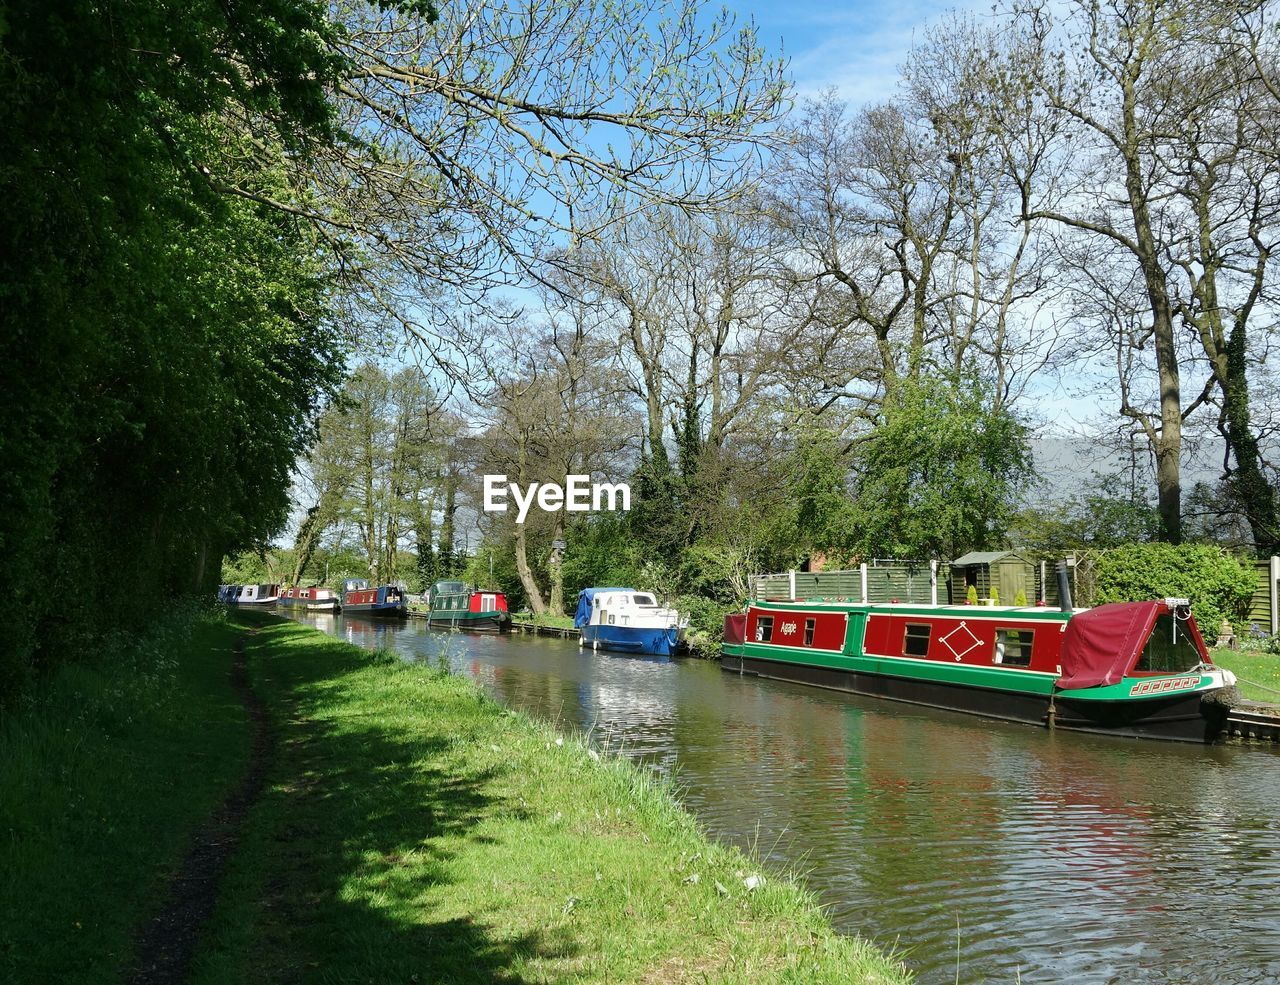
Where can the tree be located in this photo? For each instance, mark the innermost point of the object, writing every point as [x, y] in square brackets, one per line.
[169, 347]
[484, 138]
[1109, 514]
[1112, 80]
[940, 474]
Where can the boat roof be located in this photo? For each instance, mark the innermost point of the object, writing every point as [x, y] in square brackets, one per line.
[586, 597]
[1048, 613]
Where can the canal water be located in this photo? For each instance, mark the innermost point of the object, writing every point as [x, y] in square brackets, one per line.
[977, 851]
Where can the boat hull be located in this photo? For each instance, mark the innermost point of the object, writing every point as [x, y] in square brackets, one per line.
[393, 611]
[656, 641]
[474, 622]
[309, 605]
[1179, 718]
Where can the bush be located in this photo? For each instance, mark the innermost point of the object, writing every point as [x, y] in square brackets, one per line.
[1217, 584]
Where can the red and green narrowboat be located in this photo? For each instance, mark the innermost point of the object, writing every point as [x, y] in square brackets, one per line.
[313, 599]
[456, 605]
[1133, 668]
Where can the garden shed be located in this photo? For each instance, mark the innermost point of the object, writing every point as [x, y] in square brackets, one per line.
[1008, 572]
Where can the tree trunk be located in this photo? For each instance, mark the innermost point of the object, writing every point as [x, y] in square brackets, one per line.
[446, 521]
[555, 603]
[1251, 486]
[526, 573]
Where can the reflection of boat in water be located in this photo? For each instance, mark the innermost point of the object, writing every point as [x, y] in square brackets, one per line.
[360, 599]
[313, 599]
[456, 605]
[628, 621]
[1132, 668]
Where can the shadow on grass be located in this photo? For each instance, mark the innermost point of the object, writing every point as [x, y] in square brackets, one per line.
[338, 875]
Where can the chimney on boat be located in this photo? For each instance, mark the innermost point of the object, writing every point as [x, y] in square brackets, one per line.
[1064, 586]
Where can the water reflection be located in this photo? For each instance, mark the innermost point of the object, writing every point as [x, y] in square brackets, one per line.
[1042, 857]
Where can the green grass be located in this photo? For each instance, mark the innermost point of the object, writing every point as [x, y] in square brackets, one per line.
[414, 831]
[1252, 669]
[106, 768]
[546, 619]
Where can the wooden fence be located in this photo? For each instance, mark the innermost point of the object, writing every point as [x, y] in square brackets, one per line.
[1264, 607]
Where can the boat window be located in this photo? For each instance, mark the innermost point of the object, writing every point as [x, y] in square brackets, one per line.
[809, 625]
[644, 600]
[1013, 647]
[764, 629]
[916, 641]
[1170, 648]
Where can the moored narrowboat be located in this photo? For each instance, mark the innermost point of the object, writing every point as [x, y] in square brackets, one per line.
[1137, 669]
[250, 596]
[627, 621]
[456, 605]
[385, 600]
[313, 599]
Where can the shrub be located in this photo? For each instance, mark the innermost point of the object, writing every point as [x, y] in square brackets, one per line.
[706, 623]
[1217, 584]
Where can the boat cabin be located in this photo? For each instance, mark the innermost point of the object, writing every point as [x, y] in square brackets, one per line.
[254, 594]
[1085, 648]
[616, 607]
[457, 596]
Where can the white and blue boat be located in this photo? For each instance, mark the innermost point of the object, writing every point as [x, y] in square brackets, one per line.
[628, 621]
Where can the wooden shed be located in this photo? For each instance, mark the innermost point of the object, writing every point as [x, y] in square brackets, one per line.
[1006, 571]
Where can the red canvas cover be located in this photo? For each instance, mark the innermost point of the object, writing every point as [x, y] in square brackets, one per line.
[1100, 644]
[735, 627]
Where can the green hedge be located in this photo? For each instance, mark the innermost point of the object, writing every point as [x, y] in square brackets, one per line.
[1218, 585]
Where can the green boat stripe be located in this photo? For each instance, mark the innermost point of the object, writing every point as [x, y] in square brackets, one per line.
[1020, 671]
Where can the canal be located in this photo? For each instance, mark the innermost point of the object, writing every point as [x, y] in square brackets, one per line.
[977, 851]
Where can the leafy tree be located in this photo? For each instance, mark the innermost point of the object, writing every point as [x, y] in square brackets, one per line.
[940, 474]
[1108, 514]
[1218, 585]
[818, 480]
[166, 347]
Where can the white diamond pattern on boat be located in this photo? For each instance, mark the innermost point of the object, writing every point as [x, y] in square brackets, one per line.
[960, 641]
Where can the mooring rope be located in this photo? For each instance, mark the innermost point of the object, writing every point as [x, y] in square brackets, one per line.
[1261, 687]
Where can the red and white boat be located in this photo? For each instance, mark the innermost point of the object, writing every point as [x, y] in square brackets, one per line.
[313, 599]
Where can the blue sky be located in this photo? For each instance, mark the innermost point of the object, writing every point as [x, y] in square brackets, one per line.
[854, 45]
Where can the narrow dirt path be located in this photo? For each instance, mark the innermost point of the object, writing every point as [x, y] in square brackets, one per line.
[165, 945]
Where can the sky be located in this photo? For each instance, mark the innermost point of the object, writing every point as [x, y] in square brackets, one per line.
[854, 46]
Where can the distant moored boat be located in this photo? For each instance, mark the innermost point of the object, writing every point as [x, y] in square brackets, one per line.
[628, 621]
[253, 596]
[313, 599]
[456, 605]
[385, 600]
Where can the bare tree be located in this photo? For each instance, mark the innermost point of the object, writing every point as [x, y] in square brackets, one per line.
[1159, 112]
[482, 140]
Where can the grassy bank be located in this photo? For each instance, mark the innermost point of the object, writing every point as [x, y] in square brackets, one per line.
[106, 768]
[416, 831]
[1253, 669]
[546, 619]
